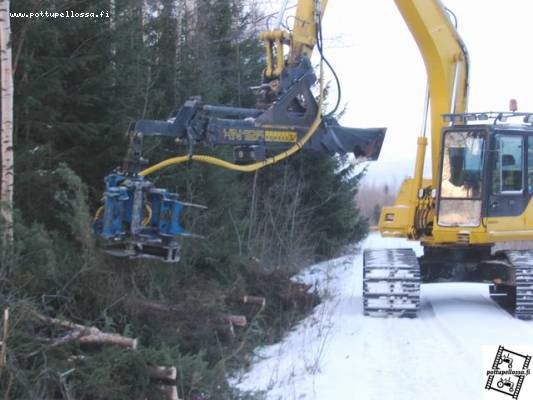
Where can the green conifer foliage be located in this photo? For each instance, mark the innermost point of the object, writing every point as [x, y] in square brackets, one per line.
[79, 82]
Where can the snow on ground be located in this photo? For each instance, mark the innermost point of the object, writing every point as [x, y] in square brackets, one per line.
[337, 353]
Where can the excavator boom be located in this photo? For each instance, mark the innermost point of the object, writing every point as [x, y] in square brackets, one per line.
[447, 65]
[304, 31]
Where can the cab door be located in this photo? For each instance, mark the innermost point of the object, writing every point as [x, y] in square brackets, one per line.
[507, 198]
[529, 184]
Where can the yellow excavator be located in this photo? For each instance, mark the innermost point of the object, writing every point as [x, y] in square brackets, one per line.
[473, 216]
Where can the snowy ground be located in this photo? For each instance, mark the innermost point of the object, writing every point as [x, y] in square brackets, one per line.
[336, 353]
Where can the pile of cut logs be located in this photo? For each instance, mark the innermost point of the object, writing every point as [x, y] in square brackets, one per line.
[222, 324]
[164, 377]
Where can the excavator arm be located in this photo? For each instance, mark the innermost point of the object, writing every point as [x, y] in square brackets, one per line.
[285, 106]
[446, 60]
[447, 67]
[304, 32]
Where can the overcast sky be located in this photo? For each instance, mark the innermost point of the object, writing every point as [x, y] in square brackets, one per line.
[383, 77]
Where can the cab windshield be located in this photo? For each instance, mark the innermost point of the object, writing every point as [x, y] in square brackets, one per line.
[462, 174]
[462, 165]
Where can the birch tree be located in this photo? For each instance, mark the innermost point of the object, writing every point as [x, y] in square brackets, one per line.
[6, 190]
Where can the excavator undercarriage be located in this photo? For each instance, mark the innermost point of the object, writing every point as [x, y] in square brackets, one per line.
[392, 277]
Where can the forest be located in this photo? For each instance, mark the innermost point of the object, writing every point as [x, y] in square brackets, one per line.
[85, 325]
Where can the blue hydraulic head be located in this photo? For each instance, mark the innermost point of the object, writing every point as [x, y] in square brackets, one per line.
[139, 220]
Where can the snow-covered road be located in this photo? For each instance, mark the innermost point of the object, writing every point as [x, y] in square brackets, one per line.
[336, 353]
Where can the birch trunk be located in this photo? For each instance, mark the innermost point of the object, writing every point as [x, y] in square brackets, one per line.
[6, 189]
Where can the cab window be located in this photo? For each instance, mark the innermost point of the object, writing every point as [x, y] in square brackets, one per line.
[508, 164]
[462, 165]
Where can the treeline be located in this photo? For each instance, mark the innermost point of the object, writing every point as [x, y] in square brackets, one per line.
[78, 84]
[372, 197]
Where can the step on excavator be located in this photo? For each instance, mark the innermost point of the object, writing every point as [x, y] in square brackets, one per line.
[474, 215]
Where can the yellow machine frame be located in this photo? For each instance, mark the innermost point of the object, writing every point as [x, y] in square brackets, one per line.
[392, 277]
[447, 65]
[446, 61]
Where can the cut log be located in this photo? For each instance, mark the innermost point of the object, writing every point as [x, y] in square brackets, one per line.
[237, 320]
[260, 301]
[85, 334]
[223, 324]
[162, 372]
[109, 338]
[58, 322]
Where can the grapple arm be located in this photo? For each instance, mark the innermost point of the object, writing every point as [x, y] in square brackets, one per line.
[284, 122]
[139, 220]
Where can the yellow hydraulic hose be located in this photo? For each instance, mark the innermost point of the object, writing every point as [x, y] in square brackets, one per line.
[250, 167]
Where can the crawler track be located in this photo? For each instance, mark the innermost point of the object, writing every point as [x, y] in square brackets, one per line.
[522, 262]
[391, 283]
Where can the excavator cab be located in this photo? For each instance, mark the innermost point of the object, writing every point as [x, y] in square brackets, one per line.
[486, 178]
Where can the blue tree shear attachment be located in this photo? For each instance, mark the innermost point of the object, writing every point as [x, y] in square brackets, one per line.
[140, 220]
